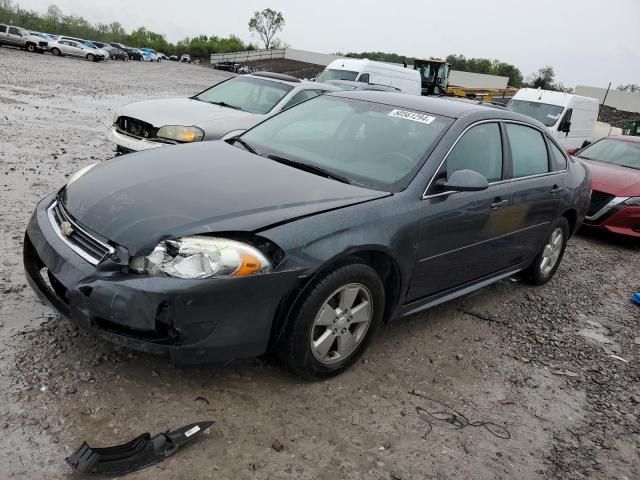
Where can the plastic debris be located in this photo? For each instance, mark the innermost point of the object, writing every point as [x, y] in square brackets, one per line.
[619, 358]
[141, 452]
[636, 298]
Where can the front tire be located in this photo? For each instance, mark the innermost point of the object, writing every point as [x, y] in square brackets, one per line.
[31, 48]
[334, 322]
[548, 259]
[90, 57]
[56, 52]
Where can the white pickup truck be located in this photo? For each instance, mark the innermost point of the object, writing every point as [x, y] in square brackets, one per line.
[19, 37]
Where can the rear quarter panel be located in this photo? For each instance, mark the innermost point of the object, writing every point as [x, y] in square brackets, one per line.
[577, 194]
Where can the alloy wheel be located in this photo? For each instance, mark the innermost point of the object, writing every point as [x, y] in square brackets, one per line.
[552, 251]
[341, 323]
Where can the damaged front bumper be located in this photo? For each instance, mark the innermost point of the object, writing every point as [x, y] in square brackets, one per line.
[191, 321]
[132, 144]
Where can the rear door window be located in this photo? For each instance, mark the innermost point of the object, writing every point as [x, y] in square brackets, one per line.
[559, 159]
[3, 29]
[14, 31]
[528, 151]
[301, 96]
[479, 149]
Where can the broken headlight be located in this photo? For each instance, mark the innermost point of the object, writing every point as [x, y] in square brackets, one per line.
[202, 257]
[181, 133]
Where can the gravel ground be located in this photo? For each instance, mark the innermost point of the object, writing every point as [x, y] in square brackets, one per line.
[535, 363]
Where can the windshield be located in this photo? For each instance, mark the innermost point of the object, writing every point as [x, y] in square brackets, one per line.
[329, 74]
[543, 112]
[373, 145]
[617, 152]
[89, 44]
[253, 95]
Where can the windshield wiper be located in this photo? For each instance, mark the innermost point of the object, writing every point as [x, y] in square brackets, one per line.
[310, 168]
[225, 104]
[243, 143]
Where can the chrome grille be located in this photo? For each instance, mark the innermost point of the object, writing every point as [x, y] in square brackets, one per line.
[79, 239]
[598, 201]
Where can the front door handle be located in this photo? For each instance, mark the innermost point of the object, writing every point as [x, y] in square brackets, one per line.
[498, 203]
[557, 189]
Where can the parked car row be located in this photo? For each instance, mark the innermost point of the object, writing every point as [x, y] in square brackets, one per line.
[63, 45]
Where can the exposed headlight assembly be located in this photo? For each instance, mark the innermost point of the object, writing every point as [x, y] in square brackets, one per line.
[181, 133]
[80, 173]
[202, 257]
[633, 201]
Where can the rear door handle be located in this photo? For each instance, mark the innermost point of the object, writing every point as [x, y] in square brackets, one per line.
[556, 189]
[497, 203]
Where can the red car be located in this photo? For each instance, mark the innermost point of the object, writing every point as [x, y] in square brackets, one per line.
[614, 163]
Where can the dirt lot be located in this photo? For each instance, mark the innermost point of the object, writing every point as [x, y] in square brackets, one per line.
[534, 362]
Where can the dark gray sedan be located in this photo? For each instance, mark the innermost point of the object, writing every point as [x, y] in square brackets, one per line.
[306, 232]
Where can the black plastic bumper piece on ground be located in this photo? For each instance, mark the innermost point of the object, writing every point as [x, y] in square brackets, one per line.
[139, 453]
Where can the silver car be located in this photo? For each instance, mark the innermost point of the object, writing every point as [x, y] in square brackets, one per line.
[74, 48]
[222, 111]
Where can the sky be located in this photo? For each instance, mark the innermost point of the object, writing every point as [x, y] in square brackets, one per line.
[588, 42]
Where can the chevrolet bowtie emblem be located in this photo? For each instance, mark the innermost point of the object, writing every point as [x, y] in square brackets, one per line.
[65, 228]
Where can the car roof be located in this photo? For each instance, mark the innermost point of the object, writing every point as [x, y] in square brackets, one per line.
[625, 138]
[353, 85]
[289, 80]
[446, 106]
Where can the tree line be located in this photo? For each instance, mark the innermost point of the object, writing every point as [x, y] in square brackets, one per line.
[55, 22]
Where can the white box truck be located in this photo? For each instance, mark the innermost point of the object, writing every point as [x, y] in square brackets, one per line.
[406, 80]
[571, 119]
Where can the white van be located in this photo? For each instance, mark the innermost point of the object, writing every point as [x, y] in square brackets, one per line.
[571, 119]
[406, 80]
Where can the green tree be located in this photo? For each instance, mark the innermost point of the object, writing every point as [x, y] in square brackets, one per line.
[631, 87]
[266, 24]
[503, 69]
[457, 62]
[545, 78]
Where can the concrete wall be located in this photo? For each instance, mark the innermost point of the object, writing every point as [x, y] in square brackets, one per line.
[476, 80]
[287, 53]
[310, 57]
[249, 56]
[627, 101]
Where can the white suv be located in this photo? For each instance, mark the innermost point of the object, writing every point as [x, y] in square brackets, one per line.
[19, 37]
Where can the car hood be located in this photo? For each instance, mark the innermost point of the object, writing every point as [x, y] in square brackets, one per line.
[182, 111]
[142, 198]
[614, 179]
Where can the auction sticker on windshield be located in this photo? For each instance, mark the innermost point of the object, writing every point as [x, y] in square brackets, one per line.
[414, 116]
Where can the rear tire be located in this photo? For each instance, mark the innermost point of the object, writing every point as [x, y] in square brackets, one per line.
[56, 52]
[548, 259]
[333, 322]
[31, 48]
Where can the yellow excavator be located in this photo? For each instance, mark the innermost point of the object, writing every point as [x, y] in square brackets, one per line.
[434, 74]
[435, 81]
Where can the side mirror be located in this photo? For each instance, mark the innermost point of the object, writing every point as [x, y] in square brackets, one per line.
[464, 181]
[565, 126]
